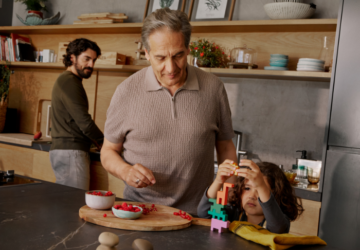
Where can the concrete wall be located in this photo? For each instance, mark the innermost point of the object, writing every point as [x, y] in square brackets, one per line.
[277, 117]
[6, 11]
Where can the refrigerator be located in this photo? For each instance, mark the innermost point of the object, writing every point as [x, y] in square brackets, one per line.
[339, 222]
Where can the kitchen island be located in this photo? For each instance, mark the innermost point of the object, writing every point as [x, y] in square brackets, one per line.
[46, 216]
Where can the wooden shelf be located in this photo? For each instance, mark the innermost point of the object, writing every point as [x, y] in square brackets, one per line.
[271, 74]
[236, 73]
[122, 68]
[293, 25]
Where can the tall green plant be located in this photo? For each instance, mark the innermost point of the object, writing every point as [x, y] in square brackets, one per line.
[37, 5]
[4, 82]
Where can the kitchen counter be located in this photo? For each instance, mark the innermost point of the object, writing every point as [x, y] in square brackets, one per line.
[95, 156]
[46, 216]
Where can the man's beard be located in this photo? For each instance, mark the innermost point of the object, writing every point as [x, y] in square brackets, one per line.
[82, 72]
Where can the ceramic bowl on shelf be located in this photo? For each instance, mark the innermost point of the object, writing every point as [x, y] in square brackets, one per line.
[275, 64]
[279, 56]
[311, 60]
[275, 68]
[289, 10]
[99, 202]
[127, 214]
[279, 60]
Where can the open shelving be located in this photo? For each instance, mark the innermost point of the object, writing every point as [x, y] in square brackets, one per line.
[296, 27]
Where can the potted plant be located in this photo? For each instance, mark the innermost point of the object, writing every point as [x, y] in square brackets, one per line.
[34, 6]
[207, 54]
[35, 15]
[4, 93]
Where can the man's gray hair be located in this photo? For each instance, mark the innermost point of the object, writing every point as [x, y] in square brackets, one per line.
[175, 20]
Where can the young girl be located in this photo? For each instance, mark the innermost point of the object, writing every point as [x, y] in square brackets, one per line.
[262, 195]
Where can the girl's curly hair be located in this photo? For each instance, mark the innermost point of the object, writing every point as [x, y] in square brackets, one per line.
[77, 47]
[280, 187]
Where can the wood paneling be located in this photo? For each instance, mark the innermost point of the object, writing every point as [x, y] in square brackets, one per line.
[27, 162]
[107, 83]
[308, 222]
[28, 86]
[123, 44]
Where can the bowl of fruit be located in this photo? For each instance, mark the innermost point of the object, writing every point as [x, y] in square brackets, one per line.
[99, 199]
[127, 211]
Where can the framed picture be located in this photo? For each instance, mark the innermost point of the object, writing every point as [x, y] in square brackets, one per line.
[152, 5]
[211, 10]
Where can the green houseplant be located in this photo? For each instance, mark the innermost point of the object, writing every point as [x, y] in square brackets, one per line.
[207, 54]
[34, 6]
[4, 93]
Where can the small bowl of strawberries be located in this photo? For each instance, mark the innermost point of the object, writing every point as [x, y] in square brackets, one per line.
[99, 199]
[127, 211]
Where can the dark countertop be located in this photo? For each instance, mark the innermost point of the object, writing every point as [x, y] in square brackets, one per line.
[46, 216]
[95, 156]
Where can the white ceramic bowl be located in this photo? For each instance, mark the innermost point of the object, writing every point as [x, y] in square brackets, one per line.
[126, 214]
[99, 202]
[311, 60]
[289, 10]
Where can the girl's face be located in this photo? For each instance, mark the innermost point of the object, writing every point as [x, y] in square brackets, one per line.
[249, 199]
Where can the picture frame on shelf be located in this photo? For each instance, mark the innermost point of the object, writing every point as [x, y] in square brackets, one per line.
[205, 10]
[152, 5]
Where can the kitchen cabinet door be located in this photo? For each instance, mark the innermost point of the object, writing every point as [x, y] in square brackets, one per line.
[345, 113]
[340, 207]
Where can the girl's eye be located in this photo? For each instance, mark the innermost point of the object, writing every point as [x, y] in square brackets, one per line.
[247, 188]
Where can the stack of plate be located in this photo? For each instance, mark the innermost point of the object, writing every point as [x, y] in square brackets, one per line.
[278, 62]
[309, 64]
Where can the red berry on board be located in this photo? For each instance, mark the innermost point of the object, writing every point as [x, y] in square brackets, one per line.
[153, 205]
[105, 215]
[176, 213]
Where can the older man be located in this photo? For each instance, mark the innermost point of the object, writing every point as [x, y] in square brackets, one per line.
[167, 119]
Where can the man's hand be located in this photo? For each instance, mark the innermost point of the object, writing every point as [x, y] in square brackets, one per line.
[136, 176]
[139, 176]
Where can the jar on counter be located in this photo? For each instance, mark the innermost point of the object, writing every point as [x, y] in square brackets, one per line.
[303, 172]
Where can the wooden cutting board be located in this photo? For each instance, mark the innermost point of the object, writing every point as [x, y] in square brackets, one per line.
[161, 220]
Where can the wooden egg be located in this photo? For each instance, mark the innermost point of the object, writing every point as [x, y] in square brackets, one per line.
[140, 244]
[108, 239]
[103, 247]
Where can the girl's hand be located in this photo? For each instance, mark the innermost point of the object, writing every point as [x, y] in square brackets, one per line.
[225, 171]
[252, 172]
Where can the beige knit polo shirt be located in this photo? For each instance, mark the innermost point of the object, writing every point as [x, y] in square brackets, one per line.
[173, 136]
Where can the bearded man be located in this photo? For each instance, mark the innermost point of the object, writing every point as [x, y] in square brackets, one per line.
[73, 130]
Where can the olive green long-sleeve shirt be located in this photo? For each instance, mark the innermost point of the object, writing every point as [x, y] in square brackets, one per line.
[72, 126]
